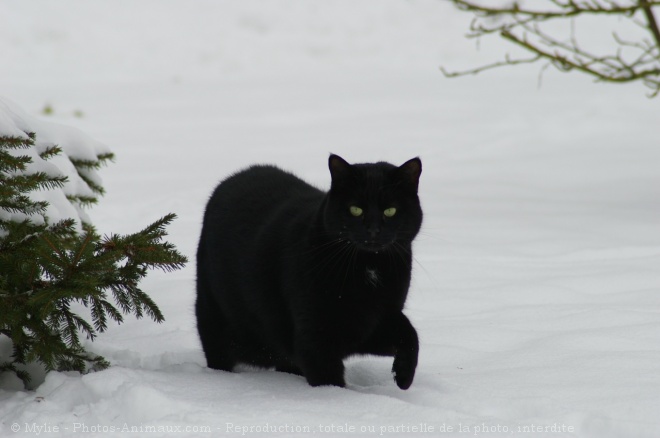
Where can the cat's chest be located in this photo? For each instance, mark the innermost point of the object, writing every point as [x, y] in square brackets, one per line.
[369, 290]
[351, 306]
[365, 282]
[366, 285]
[372, 276]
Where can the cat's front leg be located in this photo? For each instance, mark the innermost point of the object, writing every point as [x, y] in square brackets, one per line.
[407, 351]
[329, 374]
[395, 336]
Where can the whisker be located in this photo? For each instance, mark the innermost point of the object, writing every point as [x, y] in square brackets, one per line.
[332, 255]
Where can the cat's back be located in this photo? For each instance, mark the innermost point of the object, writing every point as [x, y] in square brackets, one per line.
[259, 186]
[256, 198]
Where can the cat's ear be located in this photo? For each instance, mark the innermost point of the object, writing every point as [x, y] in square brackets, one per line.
[410, 171]
[338, 166]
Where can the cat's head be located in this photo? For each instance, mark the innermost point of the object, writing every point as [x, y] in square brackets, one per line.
[374, 205]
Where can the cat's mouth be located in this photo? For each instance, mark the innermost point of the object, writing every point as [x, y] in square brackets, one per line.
[372, 246]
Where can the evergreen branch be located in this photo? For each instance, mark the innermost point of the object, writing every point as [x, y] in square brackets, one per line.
[54, 259]
[104, 158]
[83, 201]
[101, 160]
[84, 169]
[10, 367]
[64, 229]
[50, 152]
[143, 302]
[122, 297]
[112, 311]
[84, 245]
[24, 205]
[75, 323]
[13, 163]
[46, 267]
[100, 308]
[37, 180]
[12, 142]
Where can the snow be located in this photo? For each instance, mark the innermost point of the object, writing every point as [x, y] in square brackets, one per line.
[536, 280]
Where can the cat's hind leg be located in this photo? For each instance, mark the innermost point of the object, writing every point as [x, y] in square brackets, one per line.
[213, 334]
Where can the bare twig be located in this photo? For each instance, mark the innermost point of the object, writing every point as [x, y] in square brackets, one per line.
[507, 61]
[524, 27]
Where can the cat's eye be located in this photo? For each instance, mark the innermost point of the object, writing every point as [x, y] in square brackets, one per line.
[355, 211]
[389, 212]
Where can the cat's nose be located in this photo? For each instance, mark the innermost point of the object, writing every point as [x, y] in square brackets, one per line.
[373, 232]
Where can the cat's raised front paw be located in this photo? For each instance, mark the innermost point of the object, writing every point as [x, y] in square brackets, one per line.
[403, 370]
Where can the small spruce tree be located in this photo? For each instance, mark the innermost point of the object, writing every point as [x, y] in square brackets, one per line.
[46, 268]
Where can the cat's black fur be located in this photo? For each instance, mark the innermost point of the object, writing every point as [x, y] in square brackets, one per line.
[288, 277]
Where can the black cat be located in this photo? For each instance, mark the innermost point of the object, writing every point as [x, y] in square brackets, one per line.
[291, 277]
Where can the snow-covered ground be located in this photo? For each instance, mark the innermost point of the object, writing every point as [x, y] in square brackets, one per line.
[537, 288]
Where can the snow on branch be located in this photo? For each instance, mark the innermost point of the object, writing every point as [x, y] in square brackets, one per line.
[66, 159]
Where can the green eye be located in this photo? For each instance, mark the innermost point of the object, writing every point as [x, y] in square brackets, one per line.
[355, 211]
[389, 212]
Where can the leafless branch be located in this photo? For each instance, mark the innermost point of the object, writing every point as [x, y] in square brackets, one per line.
[524, 27]
[507, 61]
